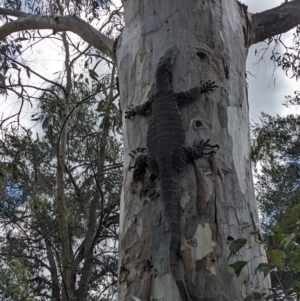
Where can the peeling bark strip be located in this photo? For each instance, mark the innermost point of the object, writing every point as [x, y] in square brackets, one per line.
[168, 155]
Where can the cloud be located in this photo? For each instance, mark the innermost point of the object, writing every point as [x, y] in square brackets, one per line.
[267, 85]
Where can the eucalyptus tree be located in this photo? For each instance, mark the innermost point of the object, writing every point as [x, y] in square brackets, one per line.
[276, 147]
[31, 241]
[276, 153]
[71, 171]
[218, 208]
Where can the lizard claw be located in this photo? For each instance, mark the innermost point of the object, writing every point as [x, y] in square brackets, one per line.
[135, 153]
[139, 163]
[209, 86]
[131, 112]
[213, 146]
[201, 145]
[140, 149]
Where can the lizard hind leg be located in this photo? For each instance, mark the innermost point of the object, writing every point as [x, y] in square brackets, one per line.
[142, 160]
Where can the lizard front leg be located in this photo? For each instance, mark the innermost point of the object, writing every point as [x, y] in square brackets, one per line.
[141, 109]
[142, 161]
[184, 153]
[192, 94]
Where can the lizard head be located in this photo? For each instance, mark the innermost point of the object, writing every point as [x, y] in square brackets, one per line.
[164, 69]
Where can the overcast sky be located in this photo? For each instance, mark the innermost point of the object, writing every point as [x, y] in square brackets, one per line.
[266, 88]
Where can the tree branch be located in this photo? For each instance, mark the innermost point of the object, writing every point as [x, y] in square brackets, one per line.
[12, 12]
[37, 74]
[275, 21]
[58, 23]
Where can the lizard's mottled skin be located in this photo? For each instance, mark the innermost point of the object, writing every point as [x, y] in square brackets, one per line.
[167, 153]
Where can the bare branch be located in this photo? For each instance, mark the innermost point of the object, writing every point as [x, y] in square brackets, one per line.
[12, 12]
[38, 75]
[275, 21]
[32, 87]
[58, 23]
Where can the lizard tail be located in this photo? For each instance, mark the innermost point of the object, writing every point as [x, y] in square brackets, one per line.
[174, 263]
[172, 210]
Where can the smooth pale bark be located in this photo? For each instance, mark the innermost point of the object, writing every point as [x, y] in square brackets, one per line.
[213, 38]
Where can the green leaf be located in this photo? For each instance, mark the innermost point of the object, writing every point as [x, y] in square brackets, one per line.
[292, 220]
[21, 39]
[93, 74]
[2, 81]
[3, 178]
[237, 266]
[287, 239]
[236, 245]
[101, 105]
[277, 257]
[28, 72]
[35, 119]
[256, 296]
[291, 284]
[104, 90]
[245, 225]
[294, 217]
[249, 298]
[264, 268]
[14, 66]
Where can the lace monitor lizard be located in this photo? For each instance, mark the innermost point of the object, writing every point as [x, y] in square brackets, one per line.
[167, 153]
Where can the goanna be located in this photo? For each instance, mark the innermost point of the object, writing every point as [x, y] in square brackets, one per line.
[167, 153]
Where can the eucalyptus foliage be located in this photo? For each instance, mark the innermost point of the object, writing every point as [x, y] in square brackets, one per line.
[276, 157]
[30, 242]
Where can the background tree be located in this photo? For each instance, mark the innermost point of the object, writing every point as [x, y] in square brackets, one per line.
[212, 47]
[78, 237]
[276, 151]
[31, 238]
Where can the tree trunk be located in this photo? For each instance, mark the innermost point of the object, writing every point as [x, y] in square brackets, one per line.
[216, 192]
[61, 161]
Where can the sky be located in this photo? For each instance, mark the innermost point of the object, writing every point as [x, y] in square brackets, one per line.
[267, 87]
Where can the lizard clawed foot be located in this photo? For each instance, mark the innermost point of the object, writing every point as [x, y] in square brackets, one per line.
[209, 86]
[142, 161]
[131, 112]
[139, 156]
[201, 145]
[136, 153]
